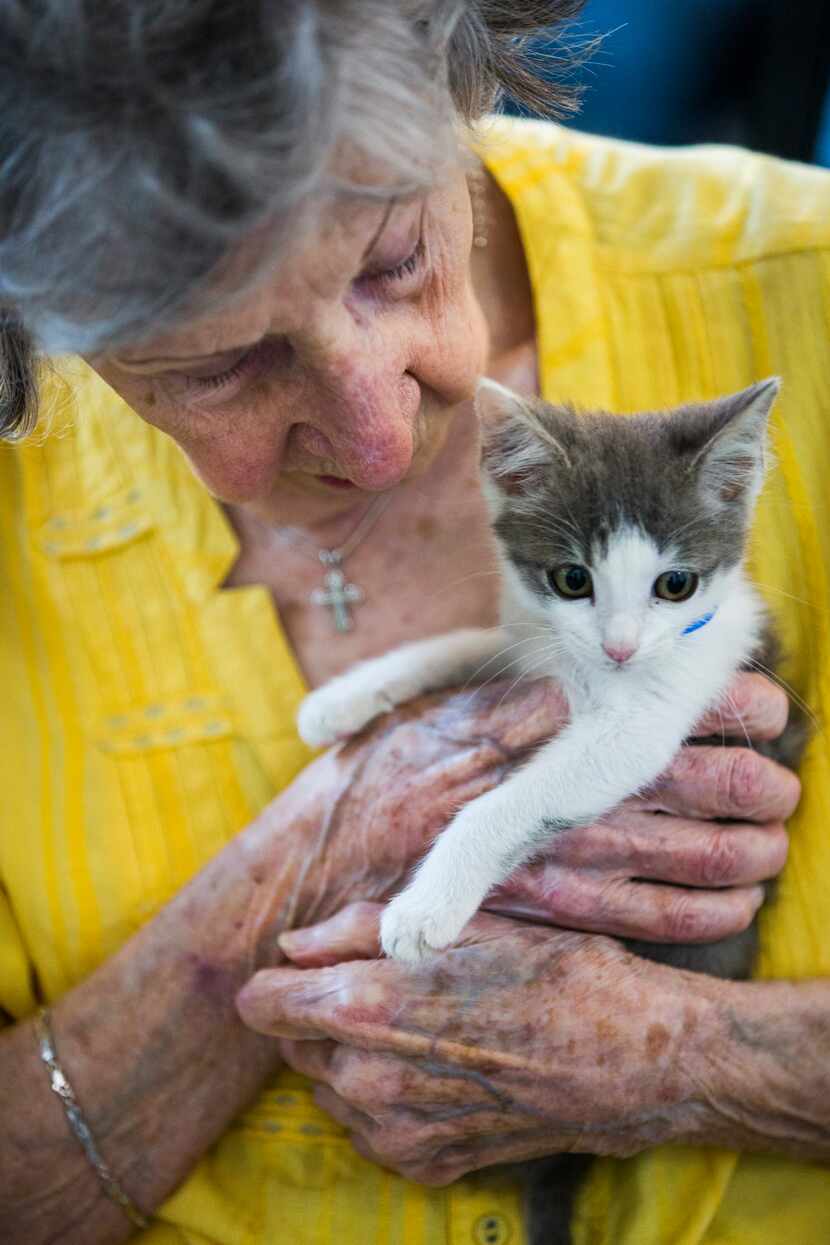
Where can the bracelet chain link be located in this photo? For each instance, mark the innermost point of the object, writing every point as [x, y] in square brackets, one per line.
[62, 1088]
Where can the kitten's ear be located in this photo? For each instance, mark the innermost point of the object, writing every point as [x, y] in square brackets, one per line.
[732, 461]
[516, 446]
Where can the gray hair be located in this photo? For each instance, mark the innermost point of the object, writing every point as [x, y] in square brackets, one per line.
[142, 140]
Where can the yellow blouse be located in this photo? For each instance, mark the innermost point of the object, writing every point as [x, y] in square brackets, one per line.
[147, 715]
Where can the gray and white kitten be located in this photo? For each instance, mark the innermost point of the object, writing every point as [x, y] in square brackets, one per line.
[622, 541]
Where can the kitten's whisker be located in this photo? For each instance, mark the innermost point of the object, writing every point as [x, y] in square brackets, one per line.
[785, 687]
[526, 673]
[508, 648]
[730, 704]
[463, 579]
[800, 600]
[722, 727]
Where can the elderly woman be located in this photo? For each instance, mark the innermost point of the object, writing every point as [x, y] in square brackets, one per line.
[250, 270]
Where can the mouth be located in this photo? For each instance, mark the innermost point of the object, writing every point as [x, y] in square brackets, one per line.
[337, 482]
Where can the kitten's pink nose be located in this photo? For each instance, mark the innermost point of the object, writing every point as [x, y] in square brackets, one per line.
[620, 653]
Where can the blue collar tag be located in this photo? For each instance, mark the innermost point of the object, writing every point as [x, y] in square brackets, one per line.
[699, 622]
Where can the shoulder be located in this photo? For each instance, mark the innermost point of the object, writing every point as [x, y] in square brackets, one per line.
[657, 209]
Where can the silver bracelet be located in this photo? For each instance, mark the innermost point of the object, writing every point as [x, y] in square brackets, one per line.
[60, 1086]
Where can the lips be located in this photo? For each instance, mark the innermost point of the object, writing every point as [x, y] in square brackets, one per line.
[337, 482]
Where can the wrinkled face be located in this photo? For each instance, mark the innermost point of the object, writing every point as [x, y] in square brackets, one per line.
[623, 602]
[337, 375]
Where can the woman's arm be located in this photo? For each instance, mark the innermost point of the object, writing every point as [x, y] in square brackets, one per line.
[764, 1077]
[151, 1042]
[158, 1061]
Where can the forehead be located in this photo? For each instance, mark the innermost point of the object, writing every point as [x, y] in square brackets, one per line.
[625, 476]
[314, 263]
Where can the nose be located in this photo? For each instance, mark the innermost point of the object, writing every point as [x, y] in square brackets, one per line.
[364, 406]
[620, 653]
[372, 432]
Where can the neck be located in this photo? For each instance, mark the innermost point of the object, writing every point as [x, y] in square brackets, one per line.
[327, 526]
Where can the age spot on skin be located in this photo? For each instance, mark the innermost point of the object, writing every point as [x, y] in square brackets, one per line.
[150, 399]
[657, 1039]
[689, 1021]
[606, 1032]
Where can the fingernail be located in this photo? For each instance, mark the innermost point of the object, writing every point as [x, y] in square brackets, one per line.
[296, 941]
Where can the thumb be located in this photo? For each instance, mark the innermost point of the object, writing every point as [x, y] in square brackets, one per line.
[352, 934]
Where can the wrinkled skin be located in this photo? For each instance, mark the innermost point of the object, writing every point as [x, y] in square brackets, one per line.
[521, 1042]
[524, 1040]
[364, 813]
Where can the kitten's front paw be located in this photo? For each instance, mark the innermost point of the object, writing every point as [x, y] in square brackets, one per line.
[336, 711]
[412, 932]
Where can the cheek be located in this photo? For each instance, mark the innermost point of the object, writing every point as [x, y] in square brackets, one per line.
[235, 468]
[569, 621]
[661, 630]
[456, 340]
[463, 344]
[578, 624]
[237, 451]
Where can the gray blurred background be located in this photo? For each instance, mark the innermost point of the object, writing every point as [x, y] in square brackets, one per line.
[753, 72]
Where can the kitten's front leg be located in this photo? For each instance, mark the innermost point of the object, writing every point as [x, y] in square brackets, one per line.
[576, 778]
[481, 846]
[346, 704]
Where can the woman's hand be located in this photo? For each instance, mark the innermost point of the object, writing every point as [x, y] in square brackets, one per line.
[714, 822]
[355, 821]
[520, 1042]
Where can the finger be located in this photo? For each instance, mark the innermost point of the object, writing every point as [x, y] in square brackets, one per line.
[382, 1005]
[342, 1112]
[652, 911]
[752, 706]
[400, 1133]
[380, 1146]
[305, 1005]
[453, 1161]
[359, 1004]
[353, 934]
[311, 1059]
[734, 783]
[655, 847]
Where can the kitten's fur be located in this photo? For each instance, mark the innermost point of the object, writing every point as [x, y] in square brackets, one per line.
[630, 498]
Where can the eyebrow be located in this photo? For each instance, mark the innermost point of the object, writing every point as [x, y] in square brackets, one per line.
[188, 358]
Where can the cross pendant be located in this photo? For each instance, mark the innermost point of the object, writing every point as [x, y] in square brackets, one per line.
[337, 595]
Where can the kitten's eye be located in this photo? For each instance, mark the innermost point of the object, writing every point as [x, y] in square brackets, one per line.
[571, 582]
[676, 586]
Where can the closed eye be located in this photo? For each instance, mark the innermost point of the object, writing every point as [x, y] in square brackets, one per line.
[252, 363]
[408, 267]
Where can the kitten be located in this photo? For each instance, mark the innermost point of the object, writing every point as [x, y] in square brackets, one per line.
[621, 540]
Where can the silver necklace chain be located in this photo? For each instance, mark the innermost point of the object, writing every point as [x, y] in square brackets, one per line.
[336, 594]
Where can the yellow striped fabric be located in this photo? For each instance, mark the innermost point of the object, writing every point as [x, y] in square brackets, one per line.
[147, 715]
